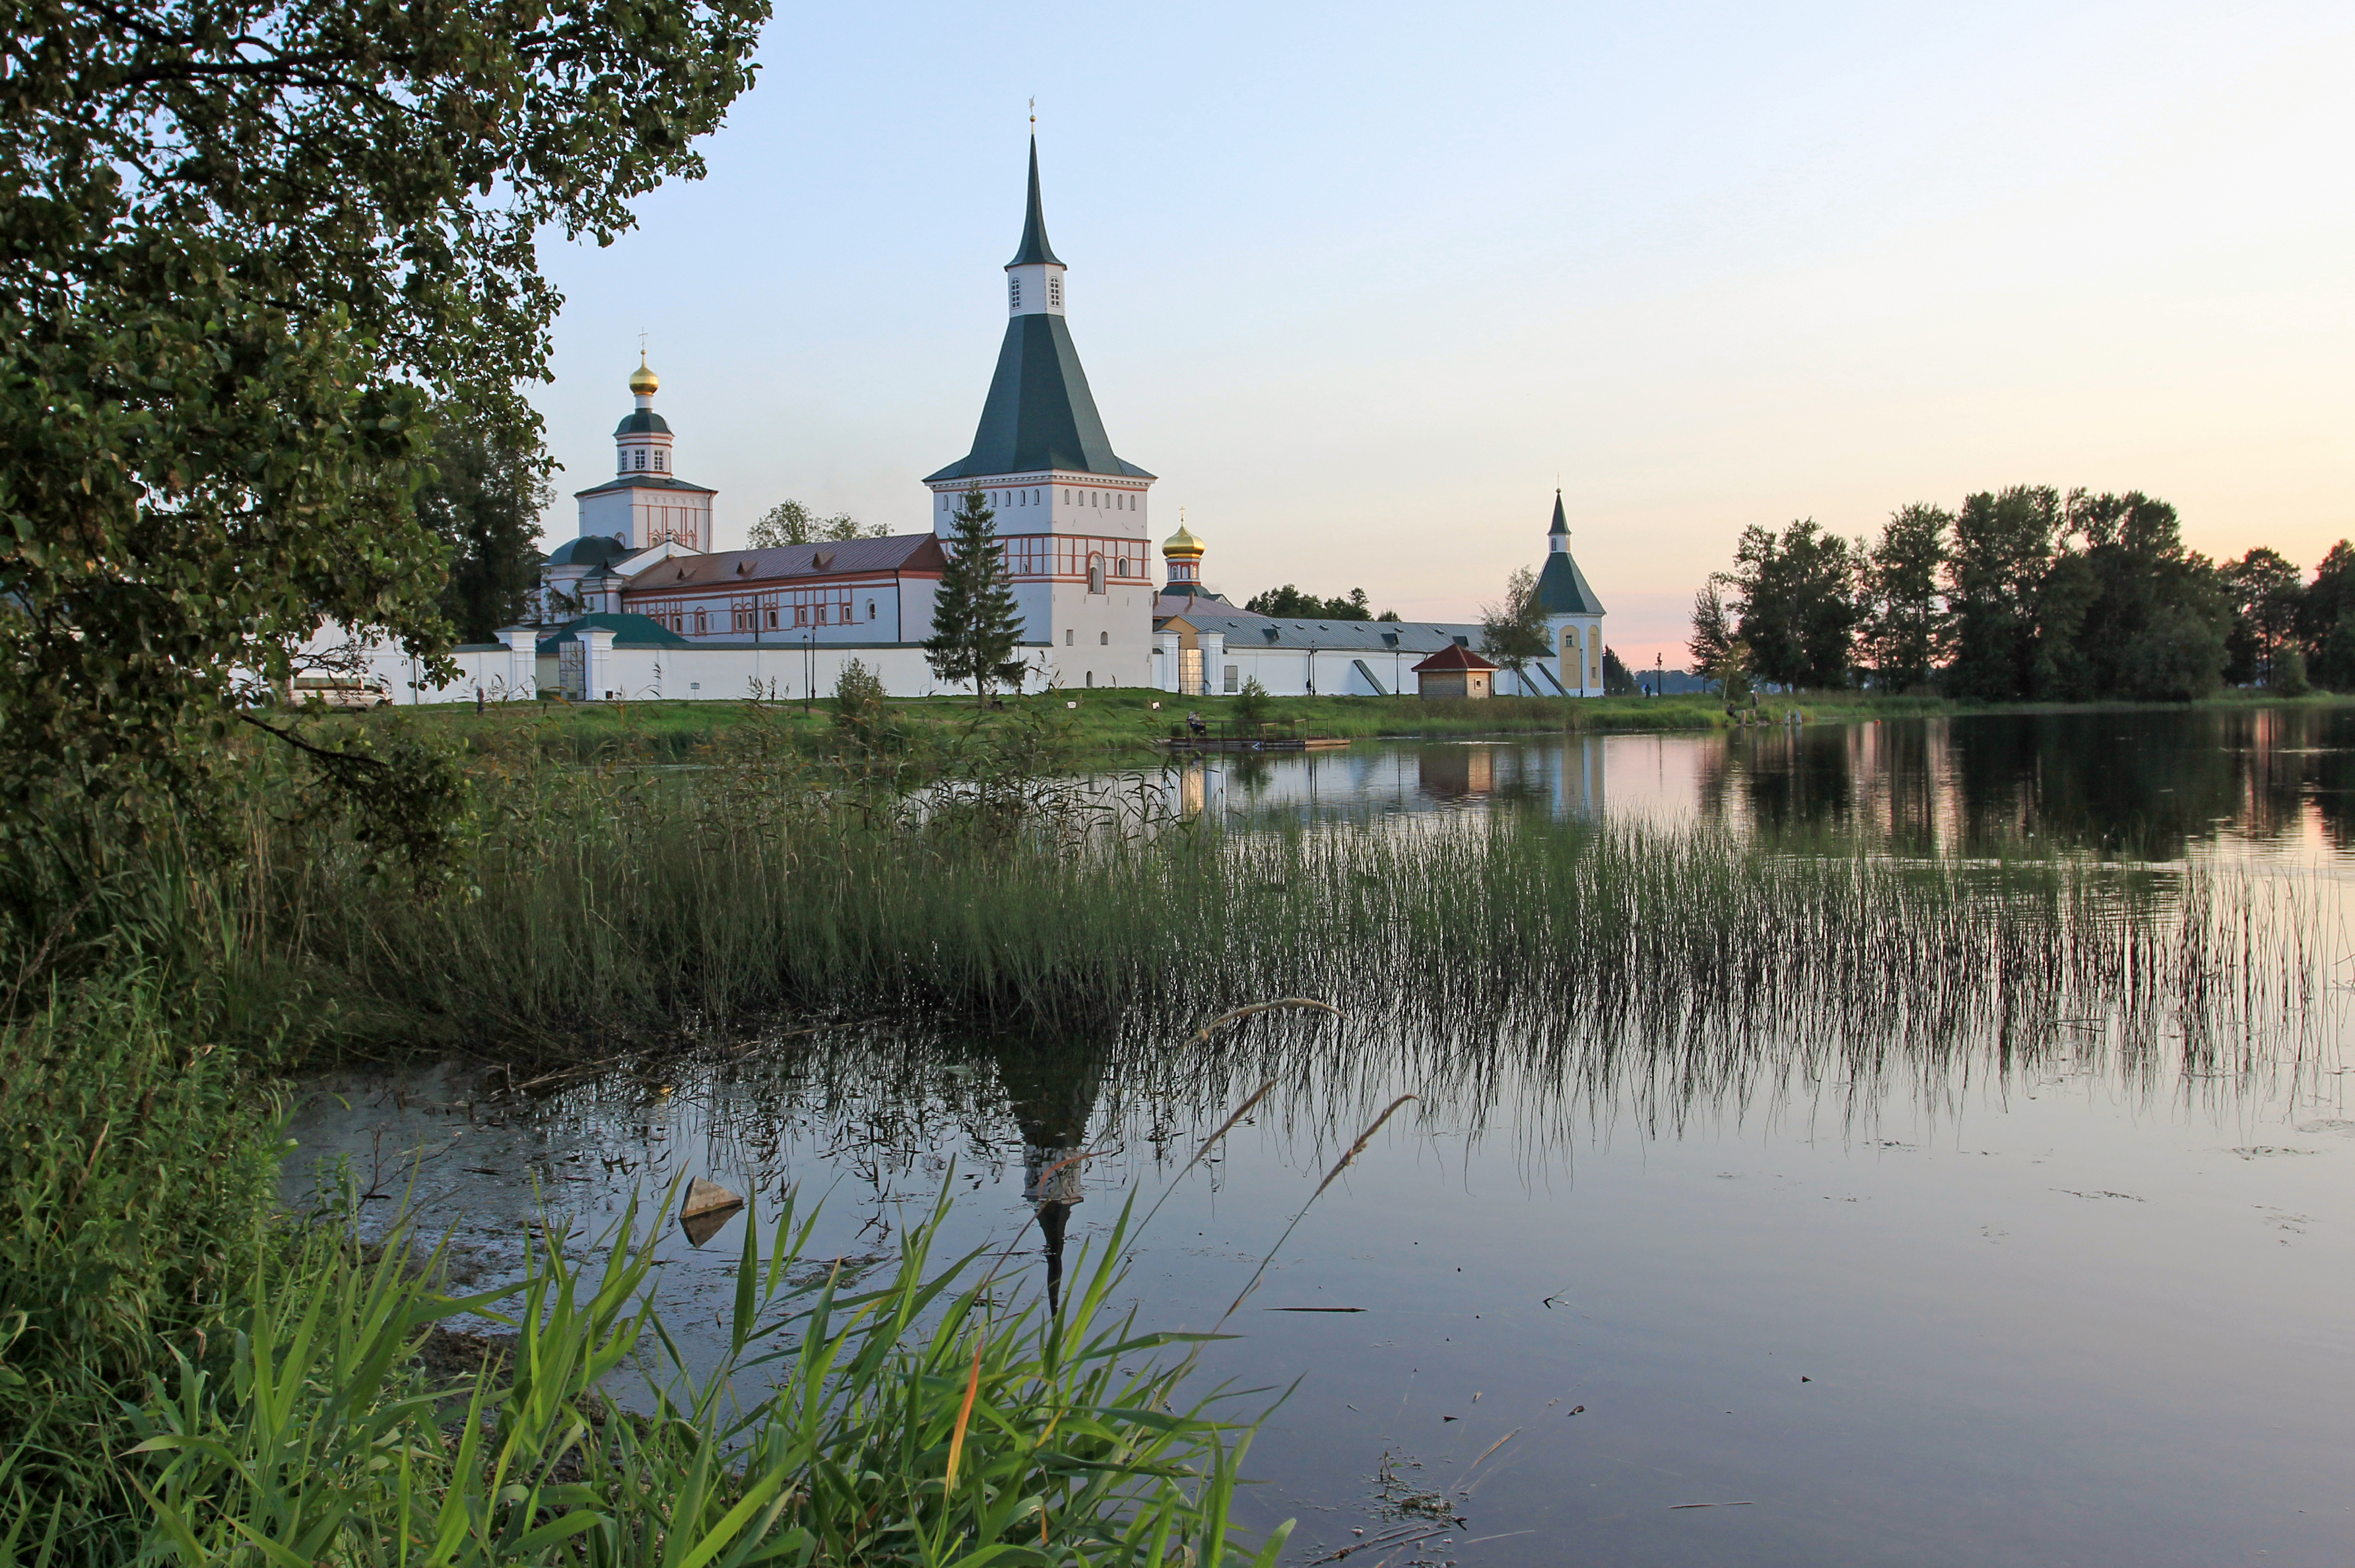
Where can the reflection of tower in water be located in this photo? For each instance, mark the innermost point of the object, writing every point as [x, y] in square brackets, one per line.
[1051, 1086]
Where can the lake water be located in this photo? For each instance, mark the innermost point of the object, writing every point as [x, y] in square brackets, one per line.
[2076, 1306]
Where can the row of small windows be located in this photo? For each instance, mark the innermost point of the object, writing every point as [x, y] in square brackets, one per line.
[639, 461]
[1000, 499]
[1103, 639]
[748, 620]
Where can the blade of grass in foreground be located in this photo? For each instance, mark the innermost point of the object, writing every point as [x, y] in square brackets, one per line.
[920, 1421]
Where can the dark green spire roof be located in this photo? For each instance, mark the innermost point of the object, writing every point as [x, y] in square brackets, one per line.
[1033, 248]
[1563, 589]
[1039, 413]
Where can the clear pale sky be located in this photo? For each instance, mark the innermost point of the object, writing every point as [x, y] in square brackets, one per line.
[1363, 284]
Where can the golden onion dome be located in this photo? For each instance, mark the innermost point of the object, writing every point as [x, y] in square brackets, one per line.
[643, 382]
[1182, 544]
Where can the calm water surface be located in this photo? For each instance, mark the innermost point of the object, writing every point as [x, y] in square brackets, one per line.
[2081, 1305]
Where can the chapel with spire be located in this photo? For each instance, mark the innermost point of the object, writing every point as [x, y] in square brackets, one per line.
[1573, 614]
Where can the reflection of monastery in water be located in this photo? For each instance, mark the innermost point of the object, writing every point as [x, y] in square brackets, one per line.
[1564, 775]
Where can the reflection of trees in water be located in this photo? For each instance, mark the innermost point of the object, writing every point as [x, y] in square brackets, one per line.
[2141, 782]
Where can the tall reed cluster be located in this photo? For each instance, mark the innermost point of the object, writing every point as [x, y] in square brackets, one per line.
[617, 899]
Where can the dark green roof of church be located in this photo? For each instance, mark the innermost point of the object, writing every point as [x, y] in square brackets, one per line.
[1033, 248]
[643, 422]
[1562, 590]
[1039, 413]
[588, 550]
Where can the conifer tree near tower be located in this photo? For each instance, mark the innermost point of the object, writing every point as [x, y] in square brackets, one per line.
[974, 622]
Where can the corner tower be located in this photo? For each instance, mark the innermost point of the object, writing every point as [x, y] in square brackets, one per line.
[1573, 614]
[1071, 512]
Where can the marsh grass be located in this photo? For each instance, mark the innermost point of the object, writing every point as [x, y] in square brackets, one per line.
[634, 901]
[940, 1418]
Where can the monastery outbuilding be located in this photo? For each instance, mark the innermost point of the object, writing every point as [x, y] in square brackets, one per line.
[639, 605]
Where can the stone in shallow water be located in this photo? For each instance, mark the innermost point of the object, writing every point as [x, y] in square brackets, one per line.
[707, 1207]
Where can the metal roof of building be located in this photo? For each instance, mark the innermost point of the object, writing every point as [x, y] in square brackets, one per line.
[629, 632]
[918, 553]
[643, 422]
[1039, 414]
[1246, 630]
[1033, 248]
[1562, 590]
[647, 482]
[588, 550]
[1454, 656]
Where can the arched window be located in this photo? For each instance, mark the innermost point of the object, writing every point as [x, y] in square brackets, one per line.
[1096, 574]
[871, 609]
[1092, 677]
[701, 626]
[772, 620]
[1103, 639]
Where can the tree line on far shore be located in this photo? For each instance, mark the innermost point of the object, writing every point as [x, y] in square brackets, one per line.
[2023, 594]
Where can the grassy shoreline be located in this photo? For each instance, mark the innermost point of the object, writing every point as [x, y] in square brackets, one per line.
[1121, 725]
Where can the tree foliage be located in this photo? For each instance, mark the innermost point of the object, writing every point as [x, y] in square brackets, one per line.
[1712, 629]
[247, 253]
[976, 623]
[1794, 598]
[1289, 603]
[1905, 619]
[483, 504]
[1513, 631]
[790, 522]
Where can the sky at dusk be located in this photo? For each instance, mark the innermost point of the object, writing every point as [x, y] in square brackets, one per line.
[1363, 285]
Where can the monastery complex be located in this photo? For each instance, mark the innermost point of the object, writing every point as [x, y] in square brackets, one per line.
[640, 605]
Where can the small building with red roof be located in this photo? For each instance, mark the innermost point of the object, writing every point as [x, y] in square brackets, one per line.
[1455, 671]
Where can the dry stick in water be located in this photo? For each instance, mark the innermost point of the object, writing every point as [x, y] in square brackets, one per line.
[1235, 1014]
[1225, 1127]
[1330, 1177]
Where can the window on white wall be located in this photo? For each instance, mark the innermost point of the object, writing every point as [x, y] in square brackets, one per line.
[1067, 637]
[1055, 293]
[1103, 639]
[658, 461]
[871, 609]
[1232, 684]
[641, 457]
[1015, 294]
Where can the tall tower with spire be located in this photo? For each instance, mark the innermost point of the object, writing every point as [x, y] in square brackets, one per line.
[1071, 512]
[1573, 614]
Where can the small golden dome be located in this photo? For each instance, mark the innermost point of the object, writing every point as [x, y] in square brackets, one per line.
[1182, 544]
[643, 382]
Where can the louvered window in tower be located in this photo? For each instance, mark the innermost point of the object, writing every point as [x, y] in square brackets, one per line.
[1013, 286]
[1055, 294]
